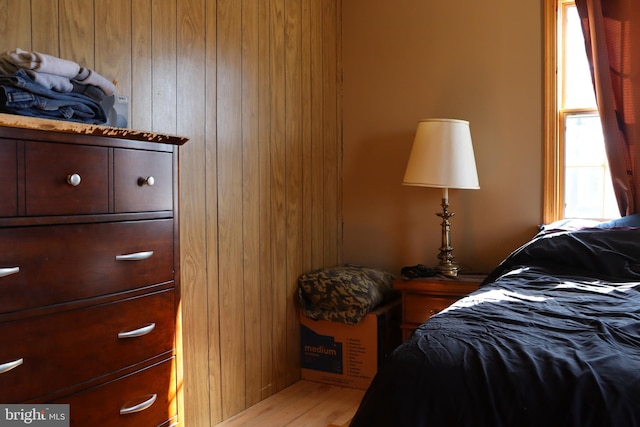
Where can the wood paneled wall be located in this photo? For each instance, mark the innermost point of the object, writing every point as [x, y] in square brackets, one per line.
[256, 86]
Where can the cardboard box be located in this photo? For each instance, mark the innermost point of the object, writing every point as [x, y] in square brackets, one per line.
[349, 355]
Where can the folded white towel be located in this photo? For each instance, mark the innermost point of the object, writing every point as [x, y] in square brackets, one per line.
[43, 63]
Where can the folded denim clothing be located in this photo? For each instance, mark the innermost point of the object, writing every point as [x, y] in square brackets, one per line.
[93, 92]
[19, 94]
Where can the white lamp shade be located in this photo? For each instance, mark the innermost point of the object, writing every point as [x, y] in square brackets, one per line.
[442, 156]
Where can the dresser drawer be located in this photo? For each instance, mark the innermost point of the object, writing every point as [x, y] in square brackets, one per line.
[8, 179]
[72, 347]
[143, 180]
[153, 389]
[49, 169]
[48, 265]
[418, 308]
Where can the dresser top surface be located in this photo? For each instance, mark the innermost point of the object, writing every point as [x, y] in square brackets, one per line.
[33, 123]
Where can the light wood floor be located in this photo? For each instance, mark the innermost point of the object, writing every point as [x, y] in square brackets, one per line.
[303, 404]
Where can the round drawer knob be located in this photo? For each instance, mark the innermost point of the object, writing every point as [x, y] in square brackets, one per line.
[147, 181]
[74, 179]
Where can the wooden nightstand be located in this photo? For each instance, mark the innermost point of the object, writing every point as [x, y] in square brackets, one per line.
[422, 298]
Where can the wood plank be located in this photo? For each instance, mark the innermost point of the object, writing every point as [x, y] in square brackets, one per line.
[317, 134]
[332, 411]
[266, 218]
[113, 43]
[278, 194]
[141, 100]
[304, 403]
[163, 57]
[306, 136]
[293, 182]
[77, 31]
[44, 17]
[332, 139]
[230, 208]
[338, 165]
[15, 25]
[251, 198]
[216, 396]
[191, 119]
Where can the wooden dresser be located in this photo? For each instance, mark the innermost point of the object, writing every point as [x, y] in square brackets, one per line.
[423, 298]
[89, 271]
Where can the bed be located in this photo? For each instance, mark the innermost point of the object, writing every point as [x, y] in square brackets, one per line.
[551, 338]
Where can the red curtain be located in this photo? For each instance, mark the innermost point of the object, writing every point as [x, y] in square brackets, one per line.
[612, 36]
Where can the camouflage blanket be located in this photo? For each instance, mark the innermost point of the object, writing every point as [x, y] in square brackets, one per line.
[343, 294]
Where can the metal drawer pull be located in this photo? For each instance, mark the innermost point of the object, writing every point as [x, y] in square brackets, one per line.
[10, 365]
[146, 181]
[138, 256]
[137, 332]
[74, 179]
[139, 407]
[9, 271]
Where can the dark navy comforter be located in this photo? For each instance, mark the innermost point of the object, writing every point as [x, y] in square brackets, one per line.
[552, 338]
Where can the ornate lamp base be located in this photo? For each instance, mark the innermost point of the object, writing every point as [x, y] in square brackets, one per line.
[446, 266]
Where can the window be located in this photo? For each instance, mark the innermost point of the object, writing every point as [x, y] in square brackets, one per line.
[577, 178]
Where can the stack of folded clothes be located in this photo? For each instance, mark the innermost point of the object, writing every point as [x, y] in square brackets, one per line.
[40, 85]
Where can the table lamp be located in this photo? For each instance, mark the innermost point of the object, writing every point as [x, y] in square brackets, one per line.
[442, 157]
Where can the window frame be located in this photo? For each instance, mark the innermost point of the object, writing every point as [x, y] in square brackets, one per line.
[553, 157]
[554, 117]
